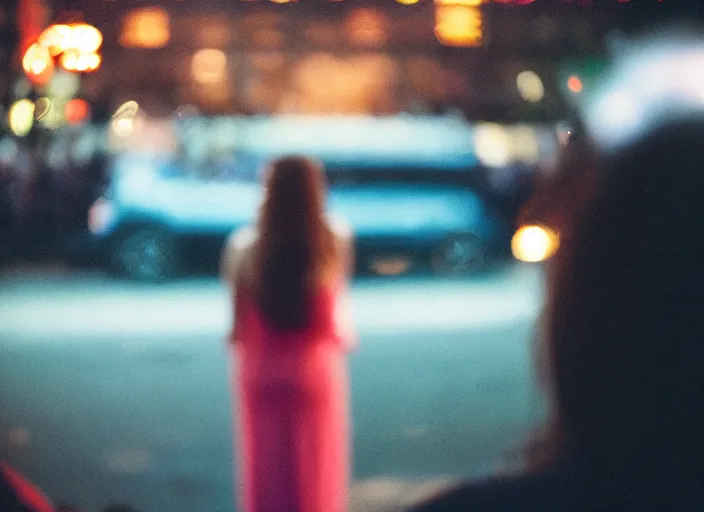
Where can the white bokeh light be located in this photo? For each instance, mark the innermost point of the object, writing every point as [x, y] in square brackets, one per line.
[530, 86]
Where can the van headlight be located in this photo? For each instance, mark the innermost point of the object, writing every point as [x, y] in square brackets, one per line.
[100, 216]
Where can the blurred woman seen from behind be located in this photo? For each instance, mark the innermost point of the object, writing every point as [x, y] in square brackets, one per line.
[624, 343]
[288, 278]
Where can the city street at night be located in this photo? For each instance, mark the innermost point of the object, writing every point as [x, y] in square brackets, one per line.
[114, 391]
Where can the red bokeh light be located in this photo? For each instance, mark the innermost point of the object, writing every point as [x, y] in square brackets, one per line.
[77, 111]
[574, 84]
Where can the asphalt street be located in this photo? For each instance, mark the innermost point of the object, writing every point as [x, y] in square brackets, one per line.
[113, 391]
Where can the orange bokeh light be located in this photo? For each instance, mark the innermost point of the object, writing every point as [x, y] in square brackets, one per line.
[459, 25]
[148, 27]
[574, 84]
[86, 38]
[56, 38]
[73, 60]
[38, 64]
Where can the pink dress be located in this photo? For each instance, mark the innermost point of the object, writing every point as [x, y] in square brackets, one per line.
[291, 408]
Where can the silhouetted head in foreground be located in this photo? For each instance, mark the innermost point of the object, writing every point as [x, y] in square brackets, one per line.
[295, 246]
[625, 335]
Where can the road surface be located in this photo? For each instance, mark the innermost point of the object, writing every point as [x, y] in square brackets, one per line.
[117, 392]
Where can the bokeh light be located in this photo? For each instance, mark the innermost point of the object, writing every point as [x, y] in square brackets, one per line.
[38, 64]
[534, 243]
[493, 145]
[123, 126]
[459, 25]
[208, 66]
[21, 117]
[146, 28]
[367, 27]
[85, 38]
[465, 3]
[56, 39]
[525, 144]
[530, 86]
[77, 111]
[574, 84]
[69, 60]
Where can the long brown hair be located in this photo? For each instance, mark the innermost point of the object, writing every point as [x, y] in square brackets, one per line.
[295, 249]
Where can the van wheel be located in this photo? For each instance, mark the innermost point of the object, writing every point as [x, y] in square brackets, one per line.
[146, 254]
[460, 254]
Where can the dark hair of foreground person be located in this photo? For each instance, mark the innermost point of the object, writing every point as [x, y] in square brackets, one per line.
[624, 344]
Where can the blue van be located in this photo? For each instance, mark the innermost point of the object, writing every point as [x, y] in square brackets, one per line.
[158, 218]
[412, 204]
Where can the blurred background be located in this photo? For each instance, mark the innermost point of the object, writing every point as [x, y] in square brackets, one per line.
[131, 138]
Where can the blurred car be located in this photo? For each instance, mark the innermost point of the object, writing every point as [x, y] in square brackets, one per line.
[159, 217]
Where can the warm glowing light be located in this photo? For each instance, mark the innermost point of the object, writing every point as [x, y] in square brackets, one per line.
[76, 111]
[534, 243]
[38, 64]
[208, 66]
[146, 28]
[21, 117]
[123, 126]
[73, 60]
[94, 61]
[88, 62]
[458, 25]
[465, 3]
[82, 62]
[69, 60]
[407, 2]
[56, 39]
[574, 84]
[80, 38]
[530, 86]
[493, 145]
[367, 27]
[85, 38]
